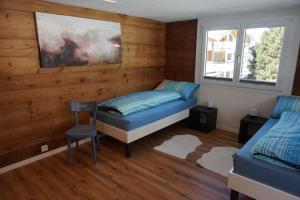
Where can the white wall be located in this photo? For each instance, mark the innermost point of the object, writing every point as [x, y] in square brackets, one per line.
[232, 102]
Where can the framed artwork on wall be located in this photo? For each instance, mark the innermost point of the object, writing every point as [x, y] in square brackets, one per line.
[73, 41]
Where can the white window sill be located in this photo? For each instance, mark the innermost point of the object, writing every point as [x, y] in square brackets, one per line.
[244, 87]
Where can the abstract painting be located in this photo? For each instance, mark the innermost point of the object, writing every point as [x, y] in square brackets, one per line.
[73, 41]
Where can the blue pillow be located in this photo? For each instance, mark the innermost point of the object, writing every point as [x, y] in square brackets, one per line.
[185, 89]
[286, 103]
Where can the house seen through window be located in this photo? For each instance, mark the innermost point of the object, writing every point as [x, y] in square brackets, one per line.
[221, 45]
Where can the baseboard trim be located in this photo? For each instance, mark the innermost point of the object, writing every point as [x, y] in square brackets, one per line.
[225, 128]
[63, 148]
[39, 157]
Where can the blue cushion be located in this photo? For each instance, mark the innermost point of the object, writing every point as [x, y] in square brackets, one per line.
[185, 89]
[286, 103]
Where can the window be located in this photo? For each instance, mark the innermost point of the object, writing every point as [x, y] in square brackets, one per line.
[217, 65]
[219, 57]
[229, 57]
[246, 55]
[261, 54]
[230, 38]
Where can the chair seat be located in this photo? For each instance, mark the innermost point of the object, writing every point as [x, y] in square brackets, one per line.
[82, 131]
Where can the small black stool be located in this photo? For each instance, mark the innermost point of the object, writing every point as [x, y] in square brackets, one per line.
[203, 118]
[83, 131]
[249, 125]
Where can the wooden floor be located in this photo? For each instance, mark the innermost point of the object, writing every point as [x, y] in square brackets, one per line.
[148, 174]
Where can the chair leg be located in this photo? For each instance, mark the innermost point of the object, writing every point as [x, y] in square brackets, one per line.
[234, 195]
[77, 144]
[69, 150]
[94, 149]
[127, 151]
[98, 141]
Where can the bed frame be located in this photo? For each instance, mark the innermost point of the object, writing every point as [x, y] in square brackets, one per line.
[130, 136]
[241, 184]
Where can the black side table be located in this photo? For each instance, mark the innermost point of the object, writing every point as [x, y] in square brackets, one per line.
[203, 118]
[249, 126]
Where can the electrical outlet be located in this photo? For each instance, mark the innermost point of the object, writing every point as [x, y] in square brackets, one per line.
[44, 148]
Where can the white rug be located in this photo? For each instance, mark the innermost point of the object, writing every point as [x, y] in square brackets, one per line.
[179, 145]
[218, 160]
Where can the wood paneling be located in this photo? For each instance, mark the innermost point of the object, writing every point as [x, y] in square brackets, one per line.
[148, 174]
[296, 88]
[181, 40]
[34, 102]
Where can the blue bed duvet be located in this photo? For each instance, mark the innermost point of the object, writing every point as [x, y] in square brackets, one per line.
[138, 101]
[281, 145]
[139, 119]
[246, 165]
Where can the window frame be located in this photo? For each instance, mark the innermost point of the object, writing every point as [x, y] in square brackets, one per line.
[237, 58]
[207, 79]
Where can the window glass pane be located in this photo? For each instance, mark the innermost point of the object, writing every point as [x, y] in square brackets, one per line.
[261, 54]
[220, 53]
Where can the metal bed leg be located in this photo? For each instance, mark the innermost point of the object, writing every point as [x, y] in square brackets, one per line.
[234, 195]
[77, 144]
[127, 151]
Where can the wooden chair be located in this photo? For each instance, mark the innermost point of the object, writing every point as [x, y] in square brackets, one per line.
[83, 131]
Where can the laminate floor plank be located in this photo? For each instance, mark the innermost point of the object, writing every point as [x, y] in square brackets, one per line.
[148, 174]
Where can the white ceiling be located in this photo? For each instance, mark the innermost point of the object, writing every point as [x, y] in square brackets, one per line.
[174, 10]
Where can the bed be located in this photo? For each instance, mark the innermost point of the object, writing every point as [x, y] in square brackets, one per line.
[131, 127]
[259, 179]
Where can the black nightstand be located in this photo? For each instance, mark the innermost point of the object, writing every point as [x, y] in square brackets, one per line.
[203, 118]
[249, 126]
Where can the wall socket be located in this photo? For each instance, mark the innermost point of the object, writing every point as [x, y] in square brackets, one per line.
[44, 148]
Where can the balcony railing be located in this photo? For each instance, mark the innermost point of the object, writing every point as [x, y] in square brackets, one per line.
[221, 46]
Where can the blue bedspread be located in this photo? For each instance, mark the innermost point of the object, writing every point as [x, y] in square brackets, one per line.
[275, 176]
[139, 101]
[139, 119]
[280, 146]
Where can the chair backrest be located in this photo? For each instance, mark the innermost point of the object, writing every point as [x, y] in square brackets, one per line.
[84, 106]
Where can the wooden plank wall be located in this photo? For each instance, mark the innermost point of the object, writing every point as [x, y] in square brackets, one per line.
[296, 88]
[34, 102]
[181, 40]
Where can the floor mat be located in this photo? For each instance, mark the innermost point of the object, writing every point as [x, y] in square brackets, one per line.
[179, 145]
[218, 160]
